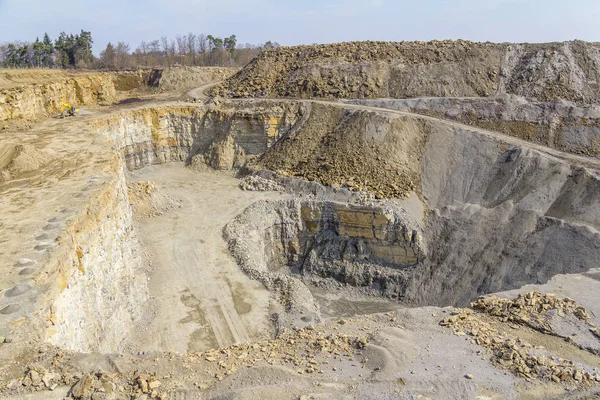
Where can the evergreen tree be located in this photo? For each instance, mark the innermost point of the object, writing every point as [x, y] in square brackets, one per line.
[83, 49]
[230, 43]
[65, 50]
[17, 56]
[48, 51]
[74, 51]
[108, 56]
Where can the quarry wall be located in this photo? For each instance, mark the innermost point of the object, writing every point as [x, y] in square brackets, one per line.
[498, 215]
[221, 138]
[29, 100]
[102, 289]
[559, 124]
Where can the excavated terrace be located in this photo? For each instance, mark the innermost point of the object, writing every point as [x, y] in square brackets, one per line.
[453, 214]
[344, 206]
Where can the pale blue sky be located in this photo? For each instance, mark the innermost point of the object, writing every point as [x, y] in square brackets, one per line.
[304, 21]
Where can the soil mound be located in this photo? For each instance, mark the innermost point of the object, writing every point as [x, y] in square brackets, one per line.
[147, 200]
[358, 150]
[411, 69]
[17, 159]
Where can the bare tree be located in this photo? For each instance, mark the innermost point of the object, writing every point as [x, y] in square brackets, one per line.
[142, 50]
[172, 50]
[181, 48]
[154, 46]
[202, 45]
[3, 53]
[154, 54]
[191, 43]
[164, 44]
[122, 55]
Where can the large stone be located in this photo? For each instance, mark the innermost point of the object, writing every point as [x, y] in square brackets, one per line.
[83, 387]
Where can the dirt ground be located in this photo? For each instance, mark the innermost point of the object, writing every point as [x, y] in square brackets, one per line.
[16, 77]
[200, 299]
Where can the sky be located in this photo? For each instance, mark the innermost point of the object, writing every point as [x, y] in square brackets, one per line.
[304, 21]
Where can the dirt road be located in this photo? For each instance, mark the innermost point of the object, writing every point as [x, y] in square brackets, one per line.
[200, 94]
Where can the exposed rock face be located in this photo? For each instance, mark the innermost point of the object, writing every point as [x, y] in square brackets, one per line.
[559, 124]
[222, 138]
[34, 101]
[411, 69]
[364, 246]
[348, 232]
[164, 80]
[102, 291]
[125, 81]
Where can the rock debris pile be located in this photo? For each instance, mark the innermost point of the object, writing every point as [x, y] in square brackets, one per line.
[513, 353]
[260, 184]
[531, 309]
[302, 349]
[417, 69]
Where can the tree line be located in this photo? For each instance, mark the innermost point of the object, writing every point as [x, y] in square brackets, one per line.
[67, 51]
[75, 51]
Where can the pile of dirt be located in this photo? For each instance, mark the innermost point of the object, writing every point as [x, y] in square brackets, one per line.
[16, 159]
[303, 352]
[260, 184]
[147, 200]
[330, 146]
[411, 69]
[531, 309]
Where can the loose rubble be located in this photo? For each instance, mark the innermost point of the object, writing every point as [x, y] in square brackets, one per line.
[148, 201]
[513, 353]
[306, 350]
[530, 309]
[420, 69]
[260, 184]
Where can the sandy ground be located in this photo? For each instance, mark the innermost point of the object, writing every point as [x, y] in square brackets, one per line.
[200, 298]
[16, 77]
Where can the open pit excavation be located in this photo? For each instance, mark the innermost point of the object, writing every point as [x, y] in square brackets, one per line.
[168, 244]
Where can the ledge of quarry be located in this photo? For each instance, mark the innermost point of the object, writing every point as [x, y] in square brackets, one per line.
[389, 204]
[29, 96]
[559, 124]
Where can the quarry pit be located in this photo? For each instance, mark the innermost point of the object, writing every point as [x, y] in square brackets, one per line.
[171, 237]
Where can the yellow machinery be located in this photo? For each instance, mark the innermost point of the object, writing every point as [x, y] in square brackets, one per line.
[67, 110]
